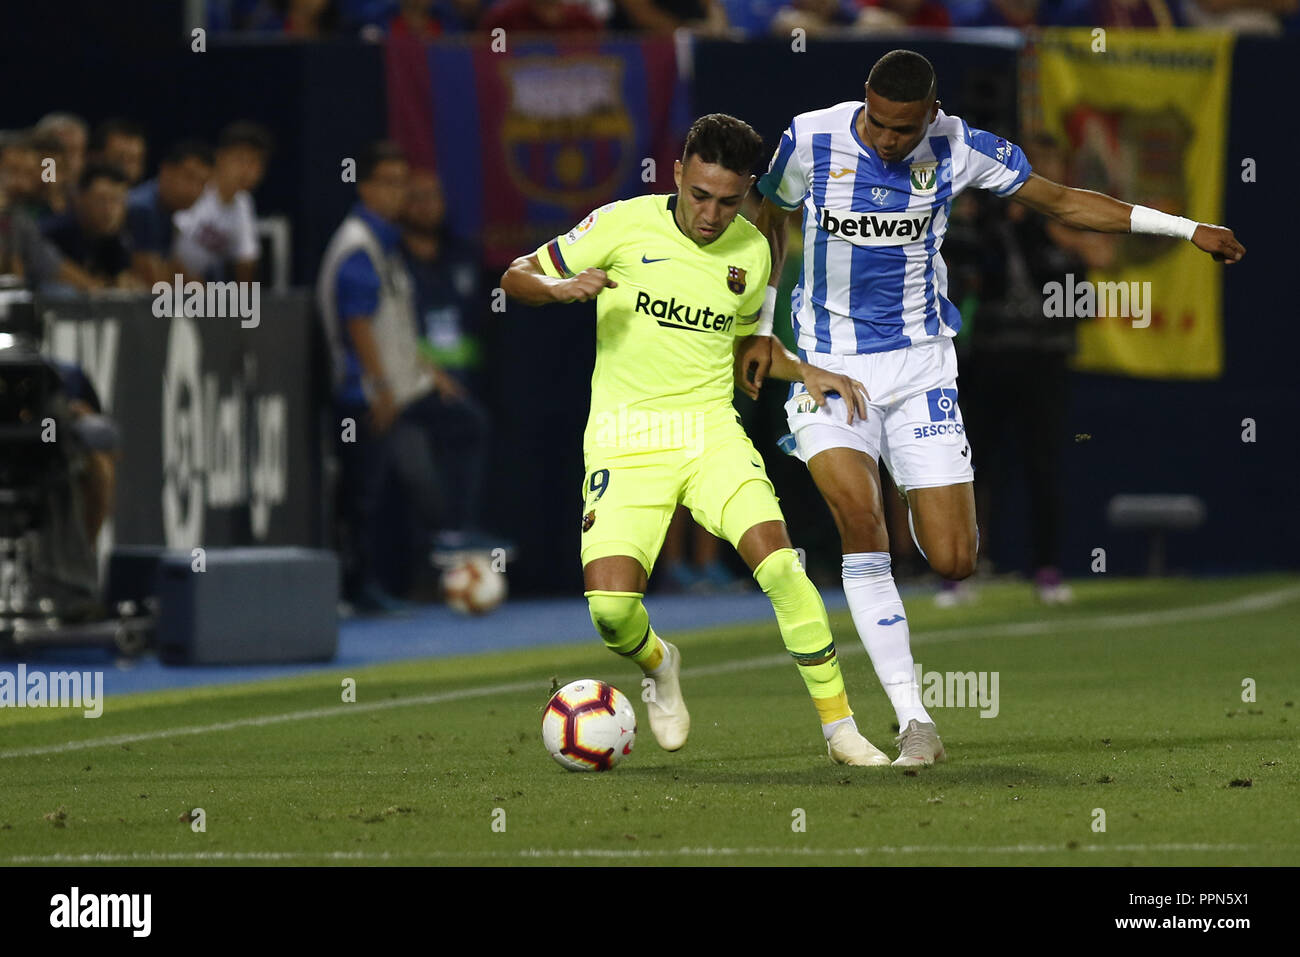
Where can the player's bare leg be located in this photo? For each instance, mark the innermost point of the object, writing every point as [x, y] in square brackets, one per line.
[849, 481]
[615, 586]
[944, 523]
[614, 573]
[801, 616]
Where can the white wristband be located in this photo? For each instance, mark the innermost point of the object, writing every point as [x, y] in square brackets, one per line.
[1155, 223]
[766, 313]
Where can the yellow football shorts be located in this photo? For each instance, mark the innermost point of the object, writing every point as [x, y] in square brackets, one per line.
[629, 498]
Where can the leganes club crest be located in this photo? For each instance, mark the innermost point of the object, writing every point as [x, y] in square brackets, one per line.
[924, 177]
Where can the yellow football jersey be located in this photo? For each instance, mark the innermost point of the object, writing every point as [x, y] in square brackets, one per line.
[664, 334]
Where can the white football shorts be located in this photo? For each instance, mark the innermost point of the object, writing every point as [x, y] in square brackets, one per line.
[913, 425]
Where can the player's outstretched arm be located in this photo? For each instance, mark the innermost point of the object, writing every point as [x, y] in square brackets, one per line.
[1085, 209]
[526, 282]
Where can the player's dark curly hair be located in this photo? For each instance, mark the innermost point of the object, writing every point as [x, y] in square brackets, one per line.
[902, 76]
[726, 141]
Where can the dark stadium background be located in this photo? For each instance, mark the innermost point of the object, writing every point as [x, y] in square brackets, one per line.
[323, 99]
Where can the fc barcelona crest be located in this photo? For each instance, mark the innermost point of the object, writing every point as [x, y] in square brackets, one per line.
[567, 136]
[736, 280]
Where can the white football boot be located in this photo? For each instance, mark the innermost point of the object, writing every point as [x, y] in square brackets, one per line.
[669, 719]
[919, 746]
[848, 746]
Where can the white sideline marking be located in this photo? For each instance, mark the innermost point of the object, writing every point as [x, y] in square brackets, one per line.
[1259, 601]
[595, 852]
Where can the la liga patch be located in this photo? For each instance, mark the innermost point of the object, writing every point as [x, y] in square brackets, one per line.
[574, 234]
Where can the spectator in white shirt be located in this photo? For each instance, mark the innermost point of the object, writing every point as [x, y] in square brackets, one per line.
[217, 236]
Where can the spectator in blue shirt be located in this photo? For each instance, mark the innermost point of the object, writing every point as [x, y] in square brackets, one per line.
[150, 208]
[401, 417]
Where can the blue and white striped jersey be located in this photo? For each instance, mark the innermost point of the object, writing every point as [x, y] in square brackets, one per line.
[872, 277]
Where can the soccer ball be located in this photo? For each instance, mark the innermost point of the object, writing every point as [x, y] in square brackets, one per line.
[589, 726]
[472, 587]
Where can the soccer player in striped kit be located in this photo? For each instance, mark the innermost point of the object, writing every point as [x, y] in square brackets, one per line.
[874, 181]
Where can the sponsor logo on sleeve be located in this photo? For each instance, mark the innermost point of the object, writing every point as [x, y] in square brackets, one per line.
[576, 233]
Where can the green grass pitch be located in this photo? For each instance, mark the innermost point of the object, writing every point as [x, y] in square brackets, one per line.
[1130, 701]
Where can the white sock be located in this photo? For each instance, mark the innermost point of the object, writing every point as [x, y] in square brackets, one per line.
[882, 626]
[829, 729]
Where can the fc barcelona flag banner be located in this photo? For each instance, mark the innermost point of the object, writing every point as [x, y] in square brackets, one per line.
[529, 140]
[1143, 116]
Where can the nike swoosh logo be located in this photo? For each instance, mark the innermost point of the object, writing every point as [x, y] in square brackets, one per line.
[891, 621]
[644, 260]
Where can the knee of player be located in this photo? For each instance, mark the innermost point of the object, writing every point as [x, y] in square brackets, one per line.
[780, 572]
[613, 613]
[954, 560]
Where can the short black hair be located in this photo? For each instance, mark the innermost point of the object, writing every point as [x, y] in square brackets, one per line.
[245, 133]
[903, 77]
[726, 141]
[96, 171]
[381, 151]
[115, 126]
[187, 149]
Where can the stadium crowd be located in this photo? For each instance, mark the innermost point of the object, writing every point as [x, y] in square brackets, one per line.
[374, 19]
[77, 213]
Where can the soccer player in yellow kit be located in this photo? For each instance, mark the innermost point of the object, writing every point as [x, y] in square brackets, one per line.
[678, 279]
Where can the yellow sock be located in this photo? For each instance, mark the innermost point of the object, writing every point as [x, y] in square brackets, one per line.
[833, 709]
[801, 616]
[624, 626]
[656, 656]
